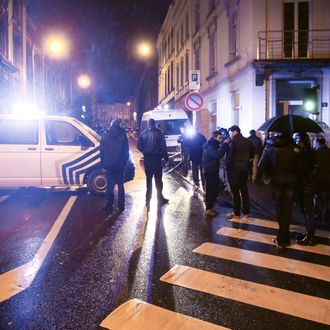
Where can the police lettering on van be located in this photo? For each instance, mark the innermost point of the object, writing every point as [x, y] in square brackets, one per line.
[51, 151]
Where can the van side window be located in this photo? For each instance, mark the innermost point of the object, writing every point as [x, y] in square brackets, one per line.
[61, 133]
[19, 131]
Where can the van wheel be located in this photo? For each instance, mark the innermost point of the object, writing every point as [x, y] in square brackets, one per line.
[97, 182]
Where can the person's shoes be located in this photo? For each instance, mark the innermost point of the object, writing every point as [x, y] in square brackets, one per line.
[162, 201]
[246, 217]
[300, 237]
[280, 244]
[307, 241]
[232, 216]
[210, 213]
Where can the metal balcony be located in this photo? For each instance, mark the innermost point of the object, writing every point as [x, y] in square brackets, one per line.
[294, 44]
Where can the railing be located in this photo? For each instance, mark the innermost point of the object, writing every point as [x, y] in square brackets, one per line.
[294, 44]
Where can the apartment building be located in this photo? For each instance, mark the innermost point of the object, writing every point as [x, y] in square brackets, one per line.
[256, 58]
[26, 75]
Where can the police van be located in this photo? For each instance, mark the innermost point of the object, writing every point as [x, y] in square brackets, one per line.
[172, 122]
[51, 151]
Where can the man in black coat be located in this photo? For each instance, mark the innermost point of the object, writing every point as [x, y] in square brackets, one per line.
[280, 159]
[239, 154]
[211, 164]
[114, 151]
[257, 149]
[153, 146]
[194, 144]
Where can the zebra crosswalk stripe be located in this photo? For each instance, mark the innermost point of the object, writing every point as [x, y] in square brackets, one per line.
[259, 295]
[274, 225]
[267, 239]
[138, 315]
[265, 260]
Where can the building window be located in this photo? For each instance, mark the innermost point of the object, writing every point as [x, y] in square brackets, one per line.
[177, 77]
[18, 50]
[172, 39]
[177, 41]
[181, 72]
[233, 35]
[171, 75]
[197, 9]
[187, 66]
[187, 26]
[197, 55]
[182, 34]
[165, 85]
[213, 115]
[212, 52]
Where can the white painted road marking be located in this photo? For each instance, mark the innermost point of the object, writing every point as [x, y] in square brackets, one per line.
[274, 225]
[265, 260]
[265, 238]
[138, 315]
[264, 296]
[20, 278]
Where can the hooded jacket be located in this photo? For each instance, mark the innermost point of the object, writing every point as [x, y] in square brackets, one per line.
[211, 155]
[281, 160]
[114, 149]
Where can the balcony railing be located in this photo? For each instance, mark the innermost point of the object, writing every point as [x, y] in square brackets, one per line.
[294, 44]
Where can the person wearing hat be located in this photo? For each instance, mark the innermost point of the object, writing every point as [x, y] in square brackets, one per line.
[153, 146]
[114, 152]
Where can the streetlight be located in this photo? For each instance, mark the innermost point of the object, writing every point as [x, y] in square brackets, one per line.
[144, 50]
[84, 81]
[56, 46]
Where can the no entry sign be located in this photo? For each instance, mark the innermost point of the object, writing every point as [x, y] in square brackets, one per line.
[194, 101]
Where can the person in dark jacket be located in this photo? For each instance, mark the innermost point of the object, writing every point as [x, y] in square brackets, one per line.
[239, 155]
[257, 149]
[316, 183]
[194, 143]
[114, 152]
[211, 164]
[280, 159]
[153, 146]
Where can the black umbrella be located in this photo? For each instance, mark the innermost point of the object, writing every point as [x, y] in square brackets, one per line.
[290, 124]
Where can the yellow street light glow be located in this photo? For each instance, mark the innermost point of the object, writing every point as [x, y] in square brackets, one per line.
[145, 49]
[84, 81]
[56, 46]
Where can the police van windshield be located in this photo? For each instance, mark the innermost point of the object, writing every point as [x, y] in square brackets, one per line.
[171, 127]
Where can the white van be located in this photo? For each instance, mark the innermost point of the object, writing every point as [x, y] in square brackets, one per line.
[171, 122]
[51, 151]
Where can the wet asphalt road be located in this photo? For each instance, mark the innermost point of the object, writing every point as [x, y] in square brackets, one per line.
[99, 261]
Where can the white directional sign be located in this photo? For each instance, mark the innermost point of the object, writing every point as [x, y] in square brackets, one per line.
[194, 80]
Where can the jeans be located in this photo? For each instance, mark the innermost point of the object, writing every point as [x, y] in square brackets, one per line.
[238, 186]
[197, 171]
[153, 168]
[115, 177]
[283, 195]
[211, 188]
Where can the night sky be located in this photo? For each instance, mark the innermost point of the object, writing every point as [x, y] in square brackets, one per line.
[104, 33]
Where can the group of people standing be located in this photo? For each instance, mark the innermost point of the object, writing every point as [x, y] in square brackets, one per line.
[295, 170]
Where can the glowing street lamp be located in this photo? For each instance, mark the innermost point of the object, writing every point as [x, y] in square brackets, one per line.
[144, 50]
[56, 46]
[84, 81]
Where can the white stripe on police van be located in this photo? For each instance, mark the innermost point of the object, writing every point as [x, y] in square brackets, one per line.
[265, 260]
[265, 238]
[260, 295]
[3, 198]
[138, 315]
[274, 225]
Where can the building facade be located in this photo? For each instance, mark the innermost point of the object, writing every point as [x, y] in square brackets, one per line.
[256, 58]
[26, 75]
